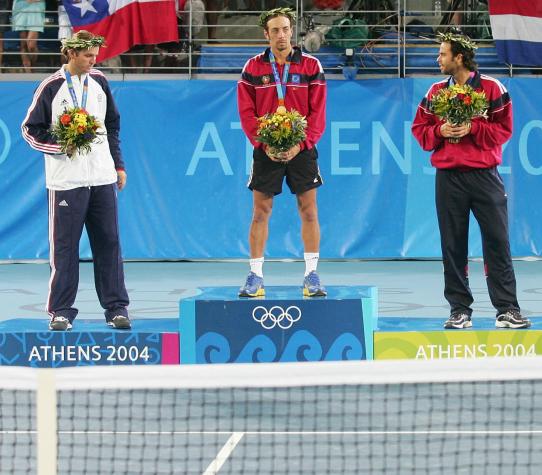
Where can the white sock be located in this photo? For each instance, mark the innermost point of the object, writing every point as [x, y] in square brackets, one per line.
[256, 266]
[311, 261]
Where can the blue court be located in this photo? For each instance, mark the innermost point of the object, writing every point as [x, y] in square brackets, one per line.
[405, 288]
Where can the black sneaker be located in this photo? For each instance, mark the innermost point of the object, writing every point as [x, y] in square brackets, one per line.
[458, 320]
[120, 322]
[59, 323]
[512, 319]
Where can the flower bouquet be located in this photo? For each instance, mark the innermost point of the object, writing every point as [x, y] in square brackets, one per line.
[281, 130]
[459, 104]
[75, 130]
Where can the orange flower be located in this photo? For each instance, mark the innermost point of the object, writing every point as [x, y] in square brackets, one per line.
[80, 129]
[65, 119]
[467, 100]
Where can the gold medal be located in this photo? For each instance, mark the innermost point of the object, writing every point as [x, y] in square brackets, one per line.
[281, 110]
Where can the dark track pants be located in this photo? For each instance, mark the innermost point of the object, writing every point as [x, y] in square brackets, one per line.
[96, 209]
[482, 192]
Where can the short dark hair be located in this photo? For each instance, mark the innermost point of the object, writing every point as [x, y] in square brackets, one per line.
[467, 53]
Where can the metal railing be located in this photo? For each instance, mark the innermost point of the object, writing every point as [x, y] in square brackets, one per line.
[395, 41]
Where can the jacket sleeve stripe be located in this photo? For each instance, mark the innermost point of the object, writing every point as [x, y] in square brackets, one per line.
[32, 141]
[499, 103]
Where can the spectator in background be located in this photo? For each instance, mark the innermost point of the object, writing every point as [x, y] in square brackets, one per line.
[28, 18]
[190, 10]
[255, 5]
[140, 58]
[65, 29]
[214, 6]
[4, 23]
[212, 18]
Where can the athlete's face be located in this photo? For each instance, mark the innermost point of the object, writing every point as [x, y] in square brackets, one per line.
[448, 63]
[279, 33]
[81, 62]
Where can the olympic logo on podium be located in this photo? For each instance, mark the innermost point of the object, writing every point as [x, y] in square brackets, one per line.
[276, 316]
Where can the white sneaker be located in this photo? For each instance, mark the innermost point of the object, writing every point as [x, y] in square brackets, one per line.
[512, 319]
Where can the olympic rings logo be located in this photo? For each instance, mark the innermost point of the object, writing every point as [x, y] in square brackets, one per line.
[276, 316]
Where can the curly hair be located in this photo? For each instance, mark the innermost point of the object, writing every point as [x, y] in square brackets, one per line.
[275, 12]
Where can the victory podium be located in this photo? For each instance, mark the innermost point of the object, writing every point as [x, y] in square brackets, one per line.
[425, 338]
[28, 342]
[216, 326]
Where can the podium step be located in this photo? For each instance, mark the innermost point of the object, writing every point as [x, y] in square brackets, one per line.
[28, 342]
[217, 326]
[425, 338]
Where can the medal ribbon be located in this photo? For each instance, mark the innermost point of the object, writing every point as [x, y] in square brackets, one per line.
[280, 85]
[69, 82]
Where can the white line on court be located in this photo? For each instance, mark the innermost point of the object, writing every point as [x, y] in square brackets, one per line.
[224, 454]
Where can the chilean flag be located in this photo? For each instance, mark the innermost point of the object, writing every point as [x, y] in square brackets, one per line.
[517, 30]
[124, 23]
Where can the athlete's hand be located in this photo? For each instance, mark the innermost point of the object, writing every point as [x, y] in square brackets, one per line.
[448, 130]
[70, 150]
[461, 130]
[121, 179]
[289, 154]
[272, 153]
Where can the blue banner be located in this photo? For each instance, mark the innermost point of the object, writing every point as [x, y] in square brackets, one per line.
[188, 163]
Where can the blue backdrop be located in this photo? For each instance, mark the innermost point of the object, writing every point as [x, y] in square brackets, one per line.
[188, 163]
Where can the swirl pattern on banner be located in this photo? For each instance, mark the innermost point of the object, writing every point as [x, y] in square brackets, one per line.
[259, 349]
[302, 346]
[346, 347]
[212, 347]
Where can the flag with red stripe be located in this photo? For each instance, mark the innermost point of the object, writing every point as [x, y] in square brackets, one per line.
[517, 30]
[124, 23]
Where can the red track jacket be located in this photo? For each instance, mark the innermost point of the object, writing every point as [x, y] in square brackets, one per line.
[482, 147]
[305, 92]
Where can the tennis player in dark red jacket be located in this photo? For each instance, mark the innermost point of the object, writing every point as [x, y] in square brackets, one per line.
[467, 180]
[283, 77]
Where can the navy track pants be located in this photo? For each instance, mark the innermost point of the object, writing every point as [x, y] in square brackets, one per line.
[69, 210]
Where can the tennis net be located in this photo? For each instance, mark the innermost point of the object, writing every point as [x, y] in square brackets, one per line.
[404, 417]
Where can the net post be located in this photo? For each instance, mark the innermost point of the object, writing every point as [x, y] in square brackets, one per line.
[46, 421]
